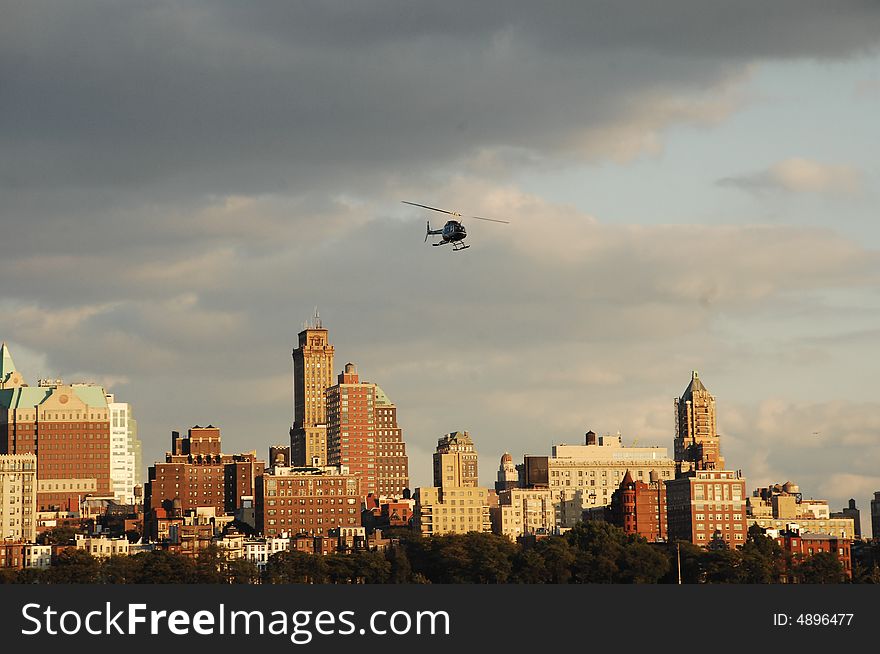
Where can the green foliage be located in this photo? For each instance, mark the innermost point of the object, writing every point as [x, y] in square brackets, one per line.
[73, 566]
[820, 568]
[295, 568]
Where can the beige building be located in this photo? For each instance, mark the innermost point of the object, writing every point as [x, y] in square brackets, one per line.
[455, 504]
[312, 375]
[582, 477]
[454, 510]
[18, 497]
[782, 507]
[522, 511]
[455, 460]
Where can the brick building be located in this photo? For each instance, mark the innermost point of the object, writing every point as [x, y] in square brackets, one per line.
[67, 426]
[307, 500]
[363, 435]
[705, 504]
[640, 508]
[804, 545]
[198, 474]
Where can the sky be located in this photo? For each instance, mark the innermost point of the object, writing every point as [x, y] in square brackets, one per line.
[689, 187]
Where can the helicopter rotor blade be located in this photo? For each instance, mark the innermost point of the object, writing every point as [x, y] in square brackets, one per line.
[425, 206]
[491, 220]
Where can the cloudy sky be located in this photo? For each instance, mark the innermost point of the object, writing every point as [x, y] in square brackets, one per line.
[688, 188]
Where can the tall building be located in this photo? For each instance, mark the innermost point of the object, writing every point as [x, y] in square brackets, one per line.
[583, 477]
[363, 434]
[875, 516]
[124, 451]
[696, 439]
[197, 474]
[67, 426]
[706, 505]
[639, 508]
[455, 461]
[307, 500]
[312, 375]
[18, 497]
[455, 504]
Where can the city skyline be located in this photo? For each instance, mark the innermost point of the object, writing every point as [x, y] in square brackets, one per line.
[695, 392]
[688, 188]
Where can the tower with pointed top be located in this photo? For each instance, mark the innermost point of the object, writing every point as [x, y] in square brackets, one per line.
[9, 376]
[697, 445]
[312, 375]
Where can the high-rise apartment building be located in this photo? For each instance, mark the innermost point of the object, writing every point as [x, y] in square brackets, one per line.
[18, 497]
[697, 444]
[124, 451]
[455, 504]
[312, 375]
[67, 426]
[363, 434]
[455, 461]
[197, 474]
[707, 505]
[308, 500]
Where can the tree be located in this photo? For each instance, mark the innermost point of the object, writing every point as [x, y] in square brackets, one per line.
[295, 568]
[242, 571]
[121, 569]
[163, 567]
[73, 566]
[401, 570]
[210, 565]
[820, 568]
[763, 559]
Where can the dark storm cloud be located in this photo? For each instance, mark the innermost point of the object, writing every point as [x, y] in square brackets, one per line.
[182, 182]
[199, 97]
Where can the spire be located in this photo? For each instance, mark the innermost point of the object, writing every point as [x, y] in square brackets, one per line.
[627, 479]
[7, 366]
[694, 387]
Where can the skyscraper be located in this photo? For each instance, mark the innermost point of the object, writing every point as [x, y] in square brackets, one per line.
[696, 439]
[312, 375]
[362, 433]
[455, 504]
[455, 461]
[124, 449]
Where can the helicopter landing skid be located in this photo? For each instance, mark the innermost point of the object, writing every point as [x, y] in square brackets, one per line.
[461, 246]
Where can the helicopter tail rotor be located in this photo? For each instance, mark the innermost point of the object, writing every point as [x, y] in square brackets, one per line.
[428, 231]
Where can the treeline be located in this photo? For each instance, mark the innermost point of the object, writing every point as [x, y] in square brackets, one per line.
[589, 553]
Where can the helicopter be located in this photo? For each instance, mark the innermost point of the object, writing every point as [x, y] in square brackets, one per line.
[453, 231]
